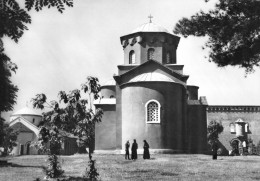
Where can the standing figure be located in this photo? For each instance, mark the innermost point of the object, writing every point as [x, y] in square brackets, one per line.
[127, 146]
[214, 150]
[134, 150]
[146, 150]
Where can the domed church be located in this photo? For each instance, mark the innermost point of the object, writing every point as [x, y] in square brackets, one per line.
[26, 122]
[150, 98]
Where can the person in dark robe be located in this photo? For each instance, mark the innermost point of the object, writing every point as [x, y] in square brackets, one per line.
[146, 150]
[134, 150]
[127, 146]
[214, 150]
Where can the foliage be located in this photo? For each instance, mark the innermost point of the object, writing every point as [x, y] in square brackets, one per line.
[214, 129]
[76, 118]
[39, 4]
[232, 29]
[258, 148]
[13, 23]
[92, 173]
[7, 89]
[54, 169]
[8, 137]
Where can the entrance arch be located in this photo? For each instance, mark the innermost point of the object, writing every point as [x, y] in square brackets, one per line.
[235, 145]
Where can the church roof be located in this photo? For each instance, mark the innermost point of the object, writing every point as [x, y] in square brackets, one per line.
[110, 82]
[26, 123]
[26, 111]
[150, 27]
[151, 76]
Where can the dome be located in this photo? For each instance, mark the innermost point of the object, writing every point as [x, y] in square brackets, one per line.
[110, 82]
[150, 27]
[26, 111]
[151, 76]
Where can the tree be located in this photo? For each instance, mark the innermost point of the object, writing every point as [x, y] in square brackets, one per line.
[13, 23]
[233, 31]
[214, 129]
[77, 118]
[8, 137]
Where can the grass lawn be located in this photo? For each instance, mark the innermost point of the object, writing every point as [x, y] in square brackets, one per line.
[159, 167]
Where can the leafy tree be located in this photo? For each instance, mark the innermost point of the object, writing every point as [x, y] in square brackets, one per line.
[232, 28]
[77, 117]
[214, 129]
[13, 23]
[7, 89]
[8, 137]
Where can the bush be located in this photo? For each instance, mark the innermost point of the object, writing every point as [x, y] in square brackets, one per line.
[54, 169]
[92, 173]
[258, 148]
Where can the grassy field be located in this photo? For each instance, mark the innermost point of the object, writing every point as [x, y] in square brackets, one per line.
[159, 167]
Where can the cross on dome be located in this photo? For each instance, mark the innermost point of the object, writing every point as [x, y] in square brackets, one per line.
[150, 17]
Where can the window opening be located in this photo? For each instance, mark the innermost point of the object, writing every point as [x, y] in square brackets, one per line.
[132, 57]
[153, 112]
[150, 54]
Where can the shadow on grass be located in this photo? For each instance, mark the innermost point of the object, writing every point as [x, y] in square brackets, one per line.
[17, 165]
[169, 174]
[68, 179]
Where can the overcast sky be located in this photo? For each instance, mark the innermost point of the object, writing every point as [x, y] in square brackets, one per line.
[60, 50]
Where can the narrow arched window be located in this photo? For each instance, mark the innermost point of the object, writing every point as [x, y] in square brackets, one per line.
[132, 57]
[150, 54]
[152, 111]
[232, 128]
[168, 57]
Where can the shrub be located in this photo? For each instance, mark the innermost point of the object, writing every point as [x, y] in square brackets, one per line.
[54, 169]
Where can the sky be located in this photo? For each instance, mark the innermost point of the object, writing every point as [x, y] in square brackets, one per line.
[59, 51]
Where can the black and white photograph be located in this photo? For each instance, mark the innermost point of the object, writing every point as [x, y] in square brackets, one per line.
[138, 90]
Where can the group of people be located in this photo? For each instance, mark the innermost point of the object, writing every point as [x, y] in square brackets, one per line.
[146, 154]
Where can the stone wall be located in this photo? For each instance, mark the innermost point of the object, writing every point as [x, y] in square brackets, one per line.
[229, 114]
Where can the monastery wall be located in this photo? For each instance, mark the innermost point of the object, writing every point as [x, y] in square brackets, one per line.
[230, 114]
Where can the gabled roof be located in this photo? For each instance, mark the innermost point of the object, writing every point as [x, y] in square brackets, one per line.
[152, 76]
[26, 123]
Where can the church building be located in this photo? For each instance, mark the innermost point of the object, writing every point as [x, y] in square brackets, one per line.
[150, 98]
[26, 121]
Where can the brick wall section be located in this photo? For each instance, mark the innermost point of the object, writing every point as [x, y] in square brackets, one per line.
[230, 114]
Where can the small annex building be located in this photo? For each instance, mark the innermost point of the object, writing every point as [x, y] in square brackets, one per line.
[150, 98]
[26, 121]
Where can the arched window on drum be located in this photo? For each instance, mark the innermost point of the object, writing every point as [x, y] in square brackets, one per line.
[153, 109]
[132, 57]
[150, 54]
[168, 57]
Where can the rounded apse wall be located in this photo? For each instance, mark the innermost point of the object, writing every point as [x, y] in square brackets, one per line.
[108, 91]
[168, 134]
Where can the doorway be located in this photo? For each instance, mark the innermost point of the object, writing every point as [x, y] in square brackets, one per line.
[28, 148]
[21, 149]
[235, 146]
